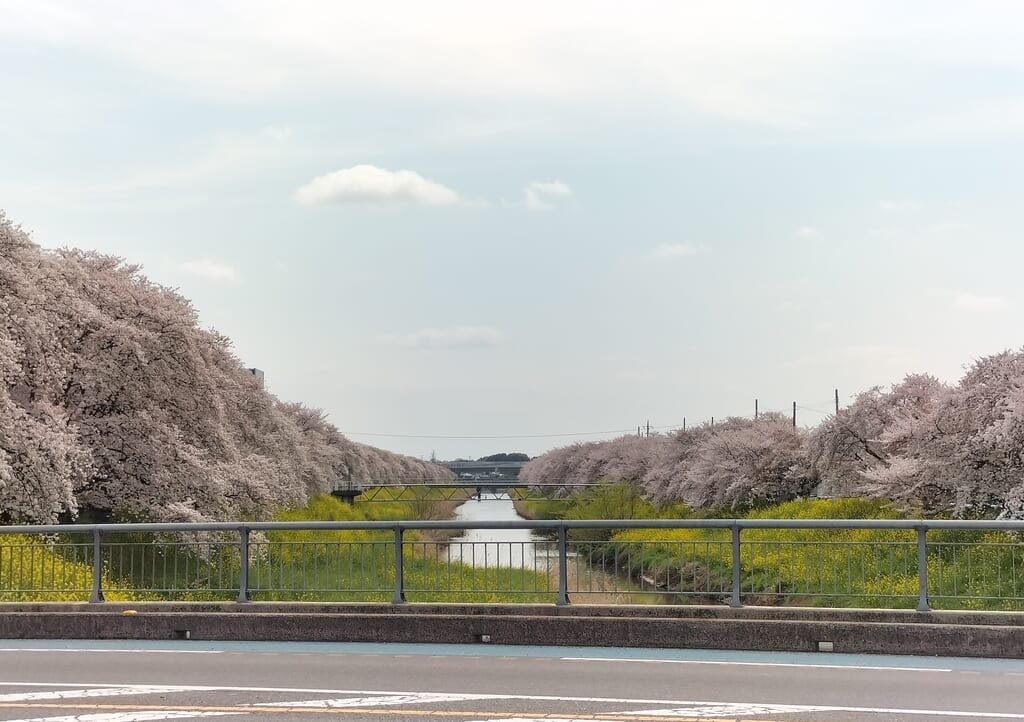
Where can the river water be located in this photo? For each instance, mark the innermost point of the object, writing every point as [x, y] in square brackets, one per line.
[494, 547]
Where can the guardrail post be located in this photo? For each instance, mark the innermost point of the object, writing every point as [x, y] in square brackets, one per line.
[399, 597]
[243, 566]
[97, 568]
[563, 566]
[922, 570]
[735, 600]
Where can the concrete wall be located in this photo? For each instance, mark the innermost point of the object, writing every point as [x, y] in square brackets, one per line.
[768, 629]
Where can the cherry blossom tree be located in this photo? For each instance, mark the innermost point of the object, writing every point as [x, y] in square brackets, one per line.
[744, 463]
[626, 458]
[960, 450]
[42, 459]
[852, 450]
[114, 403]
[931, 447]
[736, 463]
[666, 480]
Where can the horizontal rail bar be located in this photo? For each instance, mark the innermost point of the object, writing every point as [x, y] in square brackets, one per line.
[928, 525]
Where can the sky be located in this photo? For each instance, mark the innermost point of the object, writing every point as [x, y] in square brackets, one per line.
[463, 228]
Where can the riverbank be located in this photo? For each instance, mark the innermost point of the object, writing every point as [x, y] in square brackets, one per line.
[588, 585]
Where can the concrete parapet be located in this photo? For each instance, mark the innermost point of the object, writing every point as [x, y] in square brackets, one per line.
[973, 634]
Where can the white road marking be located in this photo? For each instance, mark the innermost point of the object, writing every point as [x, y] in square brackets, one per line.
[664, 707]
[382, 700]
[726, 709]
[117, 651]
[715, 709]
[758, 664]
[81, 693]
[126, 716]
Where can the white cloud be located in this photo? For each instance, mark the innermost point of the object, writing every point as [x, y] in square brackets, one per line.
[370, 184]
[673, 250]
[777, 64]
[452, 337]
[904, 206]
[949, 228]
[808, 233]
[542, 195]
[987, 118]
[975, 302]
[535, 49]
[277, 132]
[886, 360]
[188, 171]
[210, 270]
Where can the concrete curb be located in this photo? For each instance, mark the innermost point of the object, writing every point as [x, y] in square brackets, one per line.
[894, 616]
[761, 629]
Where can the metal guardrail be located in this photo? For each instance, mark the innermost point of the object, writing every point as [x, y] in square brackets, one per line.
[866, 563]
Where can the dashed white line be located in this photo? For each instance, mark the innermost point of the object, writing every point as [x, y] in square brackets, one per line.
[758, 664]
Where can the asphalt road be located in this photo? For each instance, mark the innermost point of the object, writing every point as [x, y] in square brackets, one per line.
[129, 681]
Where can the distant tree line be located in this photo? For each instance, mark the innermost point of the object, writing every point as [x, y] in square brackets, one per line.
[505, 457]
[115, 404]
[931, 447]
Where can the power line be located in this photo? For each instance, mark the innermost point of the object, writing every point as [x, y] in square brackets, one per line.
[503, 436]
[814, 410]
[758, 412]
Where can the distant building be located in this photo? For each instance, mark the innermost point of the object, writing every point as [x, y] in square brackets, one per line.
[258, 374]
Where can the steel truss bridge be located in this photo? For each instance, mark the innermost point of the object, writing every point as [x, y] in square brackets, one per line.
[451, 490]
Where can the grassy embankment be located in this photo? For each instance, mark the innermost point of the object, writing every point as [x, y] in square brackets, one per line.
[867, 568]
[366, 560]
[339, 566]
[807, 567]
[35, 570]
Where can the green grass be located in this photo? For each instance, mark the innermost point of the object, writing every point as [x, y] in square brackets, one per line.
[808, 567]
[306, 565]
[311, 562]
[834, 567]
[35, 569]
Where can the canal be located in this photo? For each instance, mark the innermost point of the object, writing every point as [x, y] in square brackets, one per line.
[490, 548]
[495, 547]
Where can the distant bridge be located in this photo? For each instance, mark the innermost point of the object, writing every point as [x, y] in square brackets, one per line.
[485, 469]
[448, 490]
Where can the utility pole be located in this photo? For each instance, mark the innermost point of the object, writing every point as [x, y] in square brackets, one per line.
[837, 401]
[648, 428]
[755, 409]
[684, 423]
[794, 414]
